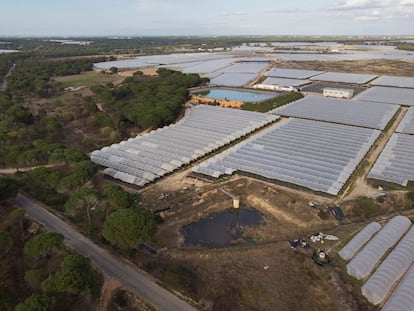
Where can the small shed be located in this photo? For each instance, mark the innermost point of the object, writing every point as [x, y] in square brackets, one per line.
[338, 92]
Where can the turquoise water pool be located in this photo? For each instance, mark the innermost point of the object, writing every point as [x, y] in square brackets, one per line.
[237, 95]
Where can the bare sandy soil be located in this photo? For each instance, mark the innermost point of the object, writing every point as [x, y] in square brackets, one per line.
[109, 287]
[380, 66]
[267, 275]
[151, 71]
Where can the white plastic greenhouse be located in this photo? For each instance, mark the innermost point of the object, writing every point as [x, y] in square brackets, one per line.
[391, 269]
[407, 123]
[364, 262]
[396, 162]
[362, 237]
[317, 155]
[342, 111]
[402, 298]
[204, 128]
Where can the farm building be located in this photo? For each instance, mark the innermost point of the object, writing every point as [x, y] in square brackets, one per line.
[338, 92]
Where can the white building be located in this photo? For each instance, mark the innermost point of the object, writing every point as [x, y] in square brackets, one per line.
[338, 93]
[275, 87]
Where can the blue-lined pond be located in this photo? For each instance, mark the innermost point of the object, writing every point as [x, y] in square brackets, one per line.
[222, 229]
[243, 96]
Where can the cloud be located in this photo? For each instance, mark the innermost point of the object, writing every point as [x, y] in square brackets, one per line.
[152, 6]
[372, 10]
[371, 15]
[407, 3]
[360, 4]
[285, 11]
[229, 14]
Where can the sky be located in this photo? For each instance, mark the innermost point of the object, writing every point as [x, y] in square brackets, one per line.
[212, 17]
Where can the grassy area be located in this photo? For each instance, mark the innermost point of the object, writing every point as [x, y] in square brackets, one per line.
[365, 208]
[406, 47]
[273, 103]
[87, 79]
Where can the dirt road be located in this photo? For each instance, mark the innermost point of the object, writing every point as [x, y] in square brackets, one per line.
[360, 187]
[14, 170]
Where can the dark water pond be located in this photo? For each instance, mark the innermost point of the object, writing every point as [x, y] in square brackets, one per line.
[222, 229]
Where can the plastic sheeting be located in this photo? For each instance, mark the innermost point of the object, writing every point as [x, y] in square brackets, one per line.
[344, 77]
[396, 162]
[316, 155]
[388, 95]
[233, 79]
[364, 262]
[351, 112]
[247, 67]
[353, 246]
[407, 123]
[292, 73]
[402, 298]
[390, 270]
[204, 129]
[406, 82]
[285, 81]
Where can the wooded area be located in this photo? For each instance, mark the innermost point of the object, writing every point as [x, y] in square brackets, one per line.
[149, 102]
[38, 272]
[70, 184]
[35, 77]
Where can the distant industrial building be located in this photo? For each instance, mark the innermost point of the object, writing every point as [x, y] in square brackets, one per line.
[338, 93]
[276, 87]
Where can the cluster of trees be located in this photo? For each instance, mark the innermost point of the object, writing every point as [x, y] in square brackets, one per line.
[127, 228]
[112, 213]
[7, 60]
[28, 140]
[150, 102]
[34, 76]
[406, 46]
[8, 188]
[109, 210]
[40, 273]
[54, 185]
[92, 206]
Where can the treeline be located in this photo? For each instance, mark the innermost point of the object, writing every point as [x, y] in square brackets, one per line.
[149, 102]
[7, 61]
[34, 77]
[106, 211]
[43, 47]
[38, 272]
[406, 47]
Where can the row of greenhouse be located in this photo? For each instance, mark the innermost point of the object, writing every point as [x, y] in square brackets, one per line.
[388, 280]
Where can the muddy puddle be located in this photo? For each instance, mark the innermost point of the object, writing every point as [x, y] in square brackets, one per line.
[223, 229]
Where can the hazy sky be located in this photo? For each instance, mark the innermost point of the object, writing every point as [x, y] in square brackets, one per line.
[212, 17]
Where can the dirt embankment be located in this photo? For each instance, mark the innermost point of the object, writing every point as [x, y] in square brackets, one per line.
[222, 102]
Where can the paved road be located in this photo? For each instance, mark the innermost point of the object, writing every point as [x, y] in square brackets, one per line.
[136, 281]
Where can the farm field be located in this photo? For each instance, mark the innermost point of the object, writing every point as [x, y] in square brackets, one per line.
[301, 167]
